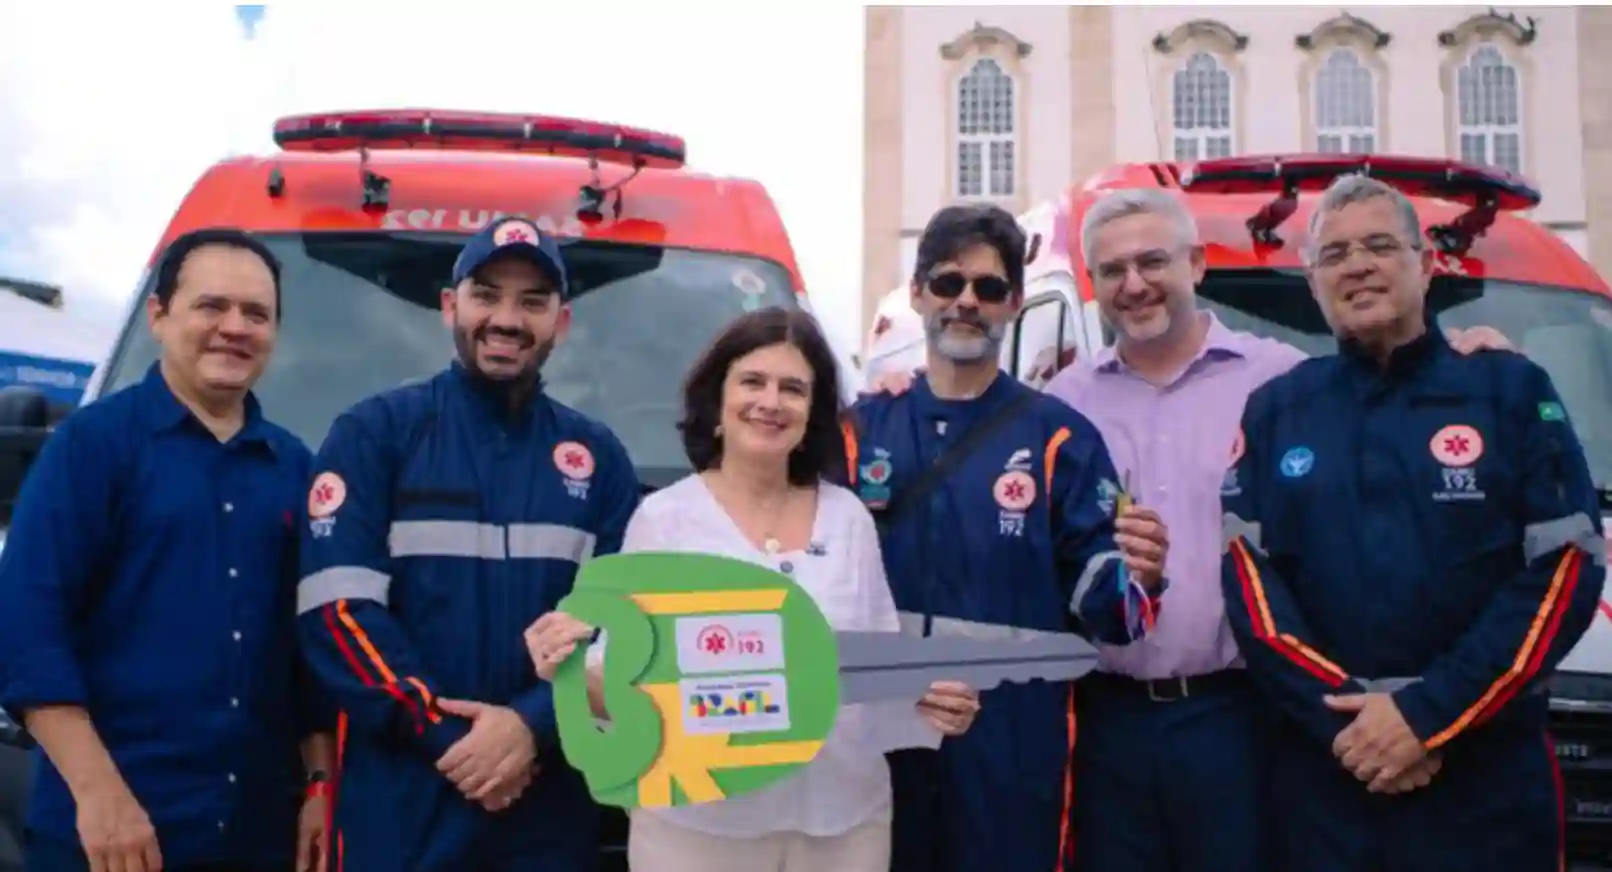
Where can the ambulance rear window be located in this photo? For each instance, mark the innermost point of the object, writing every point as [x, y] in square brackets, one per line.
[1567, 331]
[362, 315]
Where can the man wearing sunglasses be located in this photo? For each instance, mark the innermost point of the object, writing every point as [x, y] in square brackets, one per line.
[997, 510]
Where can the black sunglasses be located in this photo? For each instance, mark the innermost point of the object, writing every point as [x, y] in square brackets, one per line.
[987, 289]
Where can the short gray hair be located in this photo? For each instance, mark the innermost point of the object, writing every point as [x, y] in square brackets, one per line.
[1356, 188]
[1125, 202]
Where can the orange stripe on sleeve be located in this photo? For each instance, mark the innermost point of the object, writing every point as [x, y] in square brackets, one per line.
[848, 430]
[1066, 833]
[389, 678]
[1259, 613]
[1531, 654]
[1050, 456]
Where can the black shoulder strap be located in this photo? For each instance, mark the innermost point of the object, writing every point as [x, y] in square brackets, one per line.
[954, 456]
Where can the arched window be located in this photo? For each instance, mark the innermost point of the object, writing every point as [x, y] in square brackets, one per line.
[985, 134]
[1202, 109]
[1489, 110]
[1345, 105]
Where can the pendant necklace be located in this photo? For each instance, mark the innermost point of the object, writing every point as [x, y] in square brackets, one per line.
[770, 543]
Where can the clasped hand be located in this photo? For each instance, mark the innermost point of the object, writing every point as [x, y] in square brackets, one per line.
[1145, 542]
[496, 761]
[1379, 747]
[950, 707]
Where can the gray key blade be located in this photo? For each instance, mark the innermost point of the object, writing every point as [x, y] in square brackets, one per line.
[876, 667]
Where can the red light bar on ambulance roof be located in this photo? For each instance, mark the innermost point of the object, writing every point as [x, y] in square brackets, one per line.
[479, 131]
[1486, 191]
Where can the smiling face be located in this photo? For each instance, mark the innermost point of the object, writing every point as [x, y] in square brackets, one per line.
[218, 330]
[1368, 275]
[505, 319]
[967, 304]
[1145, 276]
[766, 402]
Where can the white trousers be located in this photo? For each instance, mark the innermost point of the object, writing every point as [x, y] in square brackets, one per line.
[655, 844]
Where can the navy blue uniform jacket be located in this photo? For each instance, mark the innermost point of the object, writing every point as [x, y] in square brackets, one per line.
[441, 526]
[150, 577]
[1429, 525]
[1018, 539]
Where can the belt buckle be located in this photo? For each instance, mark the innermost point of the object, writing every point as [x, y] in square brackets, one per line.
[1180, 682]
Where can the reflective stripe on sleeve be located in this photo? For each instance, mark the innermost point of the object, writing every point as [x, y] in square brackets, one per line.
[1095, 567]
[1233, 528]
[342, 583]
[1577, 530]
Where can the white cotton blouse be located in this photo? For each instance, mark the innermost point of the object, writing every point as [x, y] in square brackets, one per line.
[847, 784]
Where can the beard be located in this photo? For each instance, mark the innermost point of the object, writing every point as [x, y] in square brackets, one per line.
[964, 349]
[466, 340]
[1172, 312]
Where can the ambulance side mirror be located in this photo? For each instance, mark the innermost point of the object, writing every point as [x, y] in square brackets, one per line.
[24, 427]
[1029, 336]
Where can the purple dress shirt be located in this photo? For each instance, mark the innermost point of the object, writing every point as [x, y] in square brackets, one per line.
[1174, 442]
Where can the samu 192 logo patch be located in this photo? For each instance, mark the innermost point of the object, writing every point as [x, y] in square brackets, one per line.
[873, 485]
[575, 464]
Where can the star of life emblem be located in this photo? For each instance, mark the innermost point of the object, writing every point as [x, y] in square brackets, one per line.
[1457, 448]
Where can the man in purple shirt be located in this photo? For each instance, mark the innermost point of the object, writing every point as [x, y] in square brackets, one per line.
[1168, 758]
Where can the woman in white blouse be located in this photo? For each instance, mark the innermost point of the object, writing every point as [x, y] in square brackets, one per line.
[761, 429]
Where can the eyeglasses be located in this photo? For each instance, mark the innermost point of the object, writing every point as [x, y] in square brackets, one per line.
[1380, 247]
[987, 289]
[1150, 265]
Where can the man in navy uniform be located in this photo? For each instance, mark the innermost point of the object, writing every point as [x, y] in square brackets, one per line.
[445, 517]
[1026, 533]
[1413, 543]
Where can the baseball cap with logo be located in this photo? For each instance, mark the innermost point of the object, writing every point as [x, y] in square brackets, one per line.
[513, 237]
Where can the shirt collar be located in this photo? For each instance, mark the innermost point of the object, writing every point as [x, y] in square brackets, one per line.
[1218, 343]
[163, 411]
[999, 387]
[1405, 359]
[491, 402]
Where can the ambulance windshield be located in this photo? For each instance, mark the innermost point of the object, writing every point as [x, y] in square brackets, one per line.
[362, 315]
[1568, 332]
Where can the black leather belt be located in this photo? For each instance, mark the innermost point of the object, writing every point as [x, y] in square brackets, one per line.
[1168, 689]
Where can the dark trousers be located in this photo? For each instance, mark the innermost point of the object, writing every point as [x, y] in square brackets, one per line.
[1170, 778]
[45, 854]
[992, 800]
[1495, 806]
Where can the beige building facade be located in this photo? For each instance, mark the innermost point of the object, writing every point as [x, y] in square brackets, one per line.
[1013, 105]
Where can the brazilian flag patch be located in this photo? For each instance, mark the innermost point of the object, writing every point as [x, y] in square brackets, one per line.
[1552, 412]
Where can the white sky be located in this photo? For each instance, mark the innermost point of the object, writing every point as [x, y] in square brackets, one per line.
[107, 115]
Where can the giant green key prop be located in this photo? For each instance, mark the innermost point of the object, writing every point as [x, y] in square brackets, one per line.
[722, 677]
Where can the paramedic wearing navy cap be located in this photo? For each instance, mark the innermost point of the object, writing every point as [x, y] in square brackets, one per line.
[147, 591]
[446, 517]
[1413, 545]
[1026, 534]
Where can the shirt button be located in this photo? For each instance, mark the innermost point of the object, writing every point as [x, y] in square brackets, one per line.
[236, 635]
[232, 572]
[228, 507]
[234, 702]
[786, 567]
[232, 778]
[221, 825]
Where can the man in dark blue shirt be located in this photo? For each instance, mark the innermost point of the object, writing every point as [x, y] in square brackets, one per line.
[147, 601]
